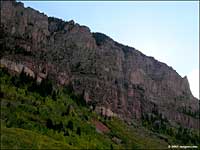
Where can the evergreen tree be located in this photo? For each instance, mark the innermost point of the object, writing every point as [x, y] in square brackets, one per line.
[78, 131]
[70, 125]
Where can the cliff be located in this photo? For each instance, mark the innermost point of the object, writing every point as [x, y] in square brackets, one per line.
[116, 80]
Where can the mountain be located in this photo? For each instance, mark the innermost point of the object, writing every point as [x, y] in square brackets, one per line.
[114, 80]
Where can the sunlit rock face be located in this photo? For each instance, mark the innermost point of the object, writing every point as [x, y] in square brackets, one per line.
[117, 78]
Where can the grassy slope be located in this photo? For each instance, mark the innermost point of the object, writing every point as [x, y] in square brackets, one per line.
[17, 138]
[25, 118]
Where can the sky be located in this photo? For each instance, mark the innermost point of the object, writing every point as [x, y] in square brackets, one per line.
[168, 31]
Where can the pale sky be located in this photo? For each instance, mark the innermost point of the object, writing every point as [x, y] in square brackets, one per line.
[168, 31]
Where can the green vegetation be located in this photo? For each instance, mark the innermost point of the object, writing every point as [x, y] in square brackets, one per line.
[158, 124]
[24, 106]
[38, 116]
[25, 139]
[188, 111]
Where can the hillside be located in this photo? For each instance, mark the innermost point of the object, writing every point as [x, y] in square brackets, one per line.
[63, 86]
[58, 120]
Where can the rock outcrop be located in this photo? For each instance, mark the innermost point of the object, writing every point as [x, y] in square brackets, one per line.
[119, 79]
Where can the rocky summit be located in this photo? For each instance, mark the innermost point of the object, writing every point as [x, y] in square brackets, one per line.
[114, 79]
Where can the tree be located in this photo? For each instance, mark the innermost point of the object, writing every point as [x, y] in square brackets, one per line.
[66, 133]
[111, 147]
[24, 78]
[46, 87]
[54, 95]
[49, 124]
[170, 131]
[70, 125]
[78, 131]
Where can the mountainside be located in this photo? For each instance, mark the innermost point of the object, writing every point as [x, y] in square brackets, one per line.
[32, 118]
[113, 79]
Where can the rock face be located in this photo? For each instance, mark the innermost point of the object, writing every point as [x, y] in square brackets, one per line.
[119, 79]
